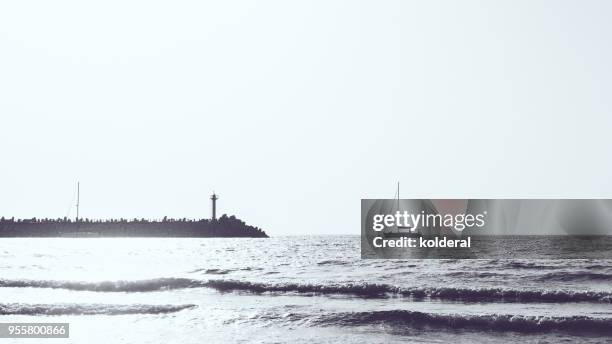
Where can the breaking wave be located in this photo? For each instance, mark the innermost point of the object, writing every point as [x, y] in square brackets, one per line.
[448, 293]
[495, 322]
[87, 309]
[365, 290]
[157, 284]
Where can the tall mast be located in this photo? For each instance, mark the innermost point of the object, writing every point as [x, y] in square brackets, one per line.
[78, 200]
[398, 196]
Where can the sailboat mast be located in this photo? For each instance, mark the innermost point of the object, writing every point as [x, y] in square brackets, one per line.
[78, 200]
[398, 196]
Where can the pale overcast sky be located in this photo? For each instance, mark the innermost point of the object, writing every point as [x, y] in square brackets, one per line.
[292, 111]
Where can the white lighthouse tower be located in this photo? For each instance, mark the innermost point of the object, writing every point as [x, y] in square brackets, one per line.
[214, 199]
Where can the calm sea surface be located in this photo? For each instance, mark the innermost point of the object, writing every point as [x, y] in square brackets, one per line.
[294, 289]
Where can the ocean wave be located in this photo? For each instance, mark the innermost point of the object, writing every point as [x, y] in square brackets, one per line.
[218, 271]
[364, 290]
[584, 276]
[508, 295]
[530, 265]
[598, 267]
[495, 322]
[87, 309]
[474, 274]
[222, 271]
[442, 293]
[333, 262]
[157, 284]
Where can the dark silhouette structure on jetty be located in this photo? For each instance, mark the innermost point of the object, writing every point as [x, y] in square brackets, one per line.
[225, 226]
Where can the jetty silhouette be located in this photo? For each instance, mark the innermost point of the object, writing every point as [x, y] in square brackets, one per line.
[222, 227]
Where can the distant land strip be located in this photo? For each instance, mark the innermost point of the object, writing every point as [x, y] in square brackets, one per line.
[223, 227]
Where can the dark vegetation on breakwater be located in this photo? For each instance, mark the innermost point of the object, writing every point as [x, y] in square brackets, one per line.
[225, 226]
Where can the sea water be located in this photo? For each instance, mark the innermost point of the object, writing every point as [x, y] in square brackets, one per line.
[299, 289]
